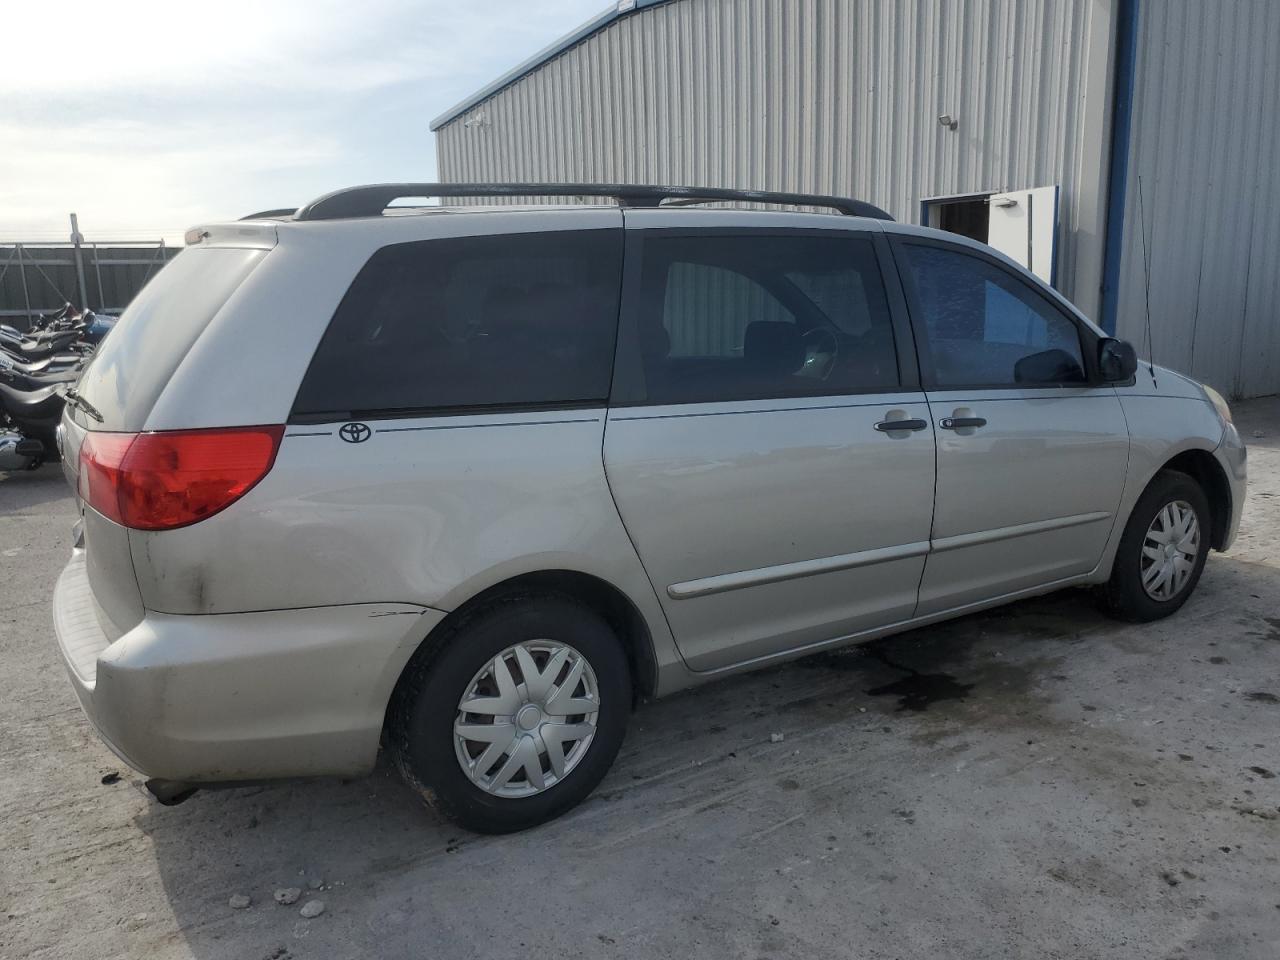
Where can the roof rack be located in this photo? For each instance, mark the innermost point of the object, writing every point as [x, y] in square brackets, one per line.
[370, 201]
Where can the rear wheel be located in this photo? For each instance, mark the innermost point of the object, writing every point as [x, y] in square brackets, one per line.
[1162, 551]
[516, 717]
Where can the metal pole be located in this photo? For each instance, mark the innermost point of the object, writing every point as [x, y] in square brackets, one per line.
[7, 262]
[26, 294]
[97, 268]
[77, 239]
[158, 258]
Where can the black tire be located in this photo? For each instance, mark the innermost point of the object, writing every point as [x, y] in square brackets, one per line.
[1124, 596]
[425, 707]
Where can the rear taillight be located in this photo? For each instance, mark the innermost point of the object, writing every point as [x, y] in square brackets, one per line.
[158, 481]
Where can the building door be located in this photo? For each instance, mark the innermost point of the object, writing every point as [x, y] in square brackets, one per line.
[1021, 224]
[751, 444]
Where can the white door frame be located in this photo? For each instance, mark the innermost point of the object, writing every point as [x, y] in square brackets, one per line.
[927, 203]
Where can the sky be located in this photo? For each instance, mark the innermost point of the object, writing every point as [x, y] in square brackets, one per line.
[147, 117]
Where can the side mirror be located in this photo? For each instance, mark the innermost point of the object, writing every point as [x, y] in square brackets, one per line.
[1048, 366]
[1117, 360]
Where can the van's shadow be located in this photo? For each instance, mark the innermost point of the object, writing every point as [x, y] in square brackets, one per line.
[400, 880]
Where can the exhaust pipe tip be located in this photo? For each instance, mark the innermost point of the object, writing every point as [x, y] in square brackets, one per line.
[170, 793]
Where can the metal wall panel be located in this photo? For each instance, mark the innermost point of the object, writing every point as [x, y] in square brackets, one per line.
[827, 96]
[1205, 142]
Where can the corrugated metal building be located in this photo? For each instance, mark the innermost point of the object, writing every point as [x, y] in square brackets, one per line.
[1010, 120]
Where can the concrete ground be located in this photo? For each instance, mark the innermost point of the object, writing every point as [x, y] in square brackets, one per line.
[1034, 782]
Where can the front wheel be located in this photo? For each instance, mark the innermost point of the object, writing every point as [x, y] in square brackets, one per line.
[1162, 551]
[517, 716]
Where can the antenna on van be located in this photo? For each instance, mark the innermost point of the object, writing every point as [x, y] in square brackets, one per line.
[1146, 272]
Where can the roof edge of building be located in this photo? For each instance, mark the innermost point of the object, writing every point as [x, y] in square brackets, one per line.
[621, 9]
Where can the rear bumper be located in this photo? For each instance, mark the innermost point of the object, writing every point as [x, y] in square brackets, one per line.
[1233, 457]
[242, 696]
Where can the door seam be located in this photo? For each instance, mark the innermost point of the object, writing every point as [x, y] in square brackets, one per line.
[622, 521]
[933, 511]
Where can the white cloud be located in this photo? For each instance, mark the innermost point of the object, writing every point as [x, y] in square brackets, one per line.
[320, 45]
[131, 178]
[144, 115]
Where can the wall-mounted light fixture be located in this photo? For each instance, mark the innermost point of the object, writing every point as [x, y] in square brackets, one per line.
[948, 121]
[479, 120]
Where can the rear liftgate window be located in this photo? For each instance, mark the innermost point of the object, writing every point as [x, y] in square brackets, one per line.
[472, 322]
[133, 366]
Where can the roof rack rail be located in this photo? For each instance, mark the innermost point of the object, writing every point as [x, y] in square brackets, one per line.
[370, 201]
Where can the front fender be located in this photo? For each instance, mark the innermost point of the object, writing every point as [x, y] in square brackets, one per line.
[1161, 428]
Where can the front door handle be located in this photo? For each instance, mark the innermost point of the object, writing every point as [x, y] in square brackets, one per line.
[960, 423]
[886, 426]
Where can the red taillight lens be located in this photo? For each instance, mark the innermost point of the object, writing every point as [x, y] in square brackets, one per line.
[158, 481]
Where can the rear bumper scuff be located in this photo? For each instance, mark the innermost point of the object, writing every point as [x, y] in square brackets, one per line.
[241, 696]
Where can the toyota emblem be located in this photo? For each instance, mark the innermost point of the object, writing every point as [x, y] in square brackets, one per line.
[355, 432]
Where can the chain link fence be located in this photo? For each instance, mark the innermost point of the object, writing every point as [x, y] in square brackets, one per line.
[39, 277]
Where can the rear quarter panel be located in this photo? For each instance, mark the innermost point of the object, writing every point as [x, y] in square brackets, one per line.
[427, 511]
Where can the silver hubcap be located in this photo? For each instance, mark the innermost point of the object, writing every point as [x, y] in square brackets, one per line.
[1169, 550]
[527, 718]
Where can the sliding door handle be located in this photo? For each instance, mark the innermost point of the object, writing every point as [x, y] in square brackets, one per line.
[887, 426]
[960, 423]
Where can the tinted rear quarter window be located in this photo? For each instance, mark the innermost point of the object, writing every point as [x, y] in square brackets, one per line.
[726, 317]
[505, 321]
[135, 362]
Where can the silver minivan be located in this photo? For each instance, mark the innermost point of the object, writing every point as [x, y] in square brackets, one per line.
[469, 482]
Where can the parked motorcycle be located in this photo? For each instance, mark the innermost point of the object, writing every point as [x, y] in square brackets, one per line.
[80, 330]
[38, 373]
[56, 363]
[29, 424]
[30, 377]
[42, 321]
